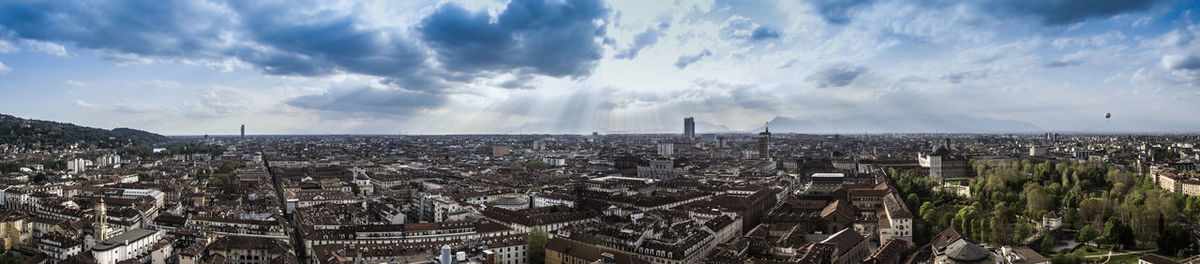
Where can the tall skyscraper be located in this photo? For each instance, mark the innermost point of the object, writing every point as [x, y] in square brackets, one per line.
[689, 128]
[243, 130]
[764, 143]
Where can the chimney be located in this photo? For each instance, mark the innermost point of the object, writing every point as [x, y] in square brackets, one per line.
[607, 258]
[445, 257]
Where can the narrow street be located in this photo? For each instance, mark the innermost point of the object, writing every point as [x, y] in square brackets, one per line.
[288, 218]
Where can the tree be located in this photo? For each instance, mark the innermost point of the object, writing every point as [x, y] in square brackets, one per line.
[1048, 243]
[926, 211]
[1087, 233]
[999, 232]
[1191, 207]
[1107, 203]
[221, 179]
[1022, 230]
[531, 165]
[536, 244]
[1118, 233]
[913, 200]
[946, 221]
[1169, 241]
[1037, 200]
[227, 167]
[9, 167]
[977, 229]
[1095, 210]
[1067, 258]
[1070, 218]
[10, 258]
[962, 220]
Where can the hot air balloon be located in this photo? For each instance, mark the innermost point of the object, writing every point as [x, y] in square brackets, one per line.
[1107, 116]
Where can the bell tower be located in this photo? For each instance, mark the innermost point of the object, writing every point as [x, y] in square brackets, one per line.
[101, 222]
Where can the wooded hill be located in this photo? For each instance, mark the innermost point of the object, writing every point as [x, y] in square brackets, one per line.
[39, 134]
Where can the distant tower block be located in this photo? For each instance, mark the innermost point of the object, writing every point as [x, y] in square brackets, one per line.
[243, 130]
[764, 143]
[689, 128]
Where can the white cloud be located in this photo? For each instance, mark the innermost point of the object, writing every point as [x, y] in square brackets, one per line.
[46, 47]
[8, 47]
[83, 104]
[1101, 40]
[4, 69]
[904, 57]
[77, 84]
[163, 84]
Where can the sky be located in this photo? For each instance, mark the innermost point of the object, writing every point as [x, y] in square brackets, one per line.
[193, 67]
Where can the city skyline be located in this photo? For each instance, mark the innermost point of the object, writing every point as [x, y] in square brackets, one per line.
[529, 66]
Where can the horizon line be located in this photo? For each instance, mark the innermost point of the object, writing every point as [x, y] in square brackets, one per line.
[680, 134]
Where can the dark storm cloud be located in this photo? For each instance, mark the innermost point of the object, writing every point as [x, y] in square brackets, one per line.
[529, 38]
[370, 100]
[517, 82]
[303, 44]
[269, 37]
[763, 33]
[837, 75]
[1059, 12]
[837, 11]
[147, 28]
[642, 40]
[685, 60]
[539, 36]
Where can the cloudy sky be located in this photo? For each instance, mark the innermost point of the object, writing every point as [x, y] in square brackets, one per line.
[575, 66]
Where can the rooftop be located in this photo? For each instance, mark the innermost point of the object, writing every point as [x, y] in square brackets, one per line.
[122, 239]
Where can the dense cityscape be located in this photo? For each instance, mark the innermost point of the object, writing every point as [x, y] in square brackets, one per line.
[637, 198]
[599, 131]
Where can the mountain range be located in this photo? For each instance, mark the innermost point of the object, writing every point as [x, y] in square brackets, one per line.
[845, 125]
[897, 124]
